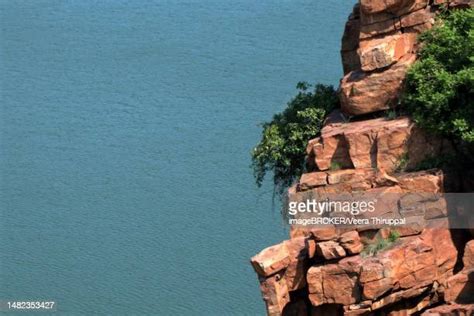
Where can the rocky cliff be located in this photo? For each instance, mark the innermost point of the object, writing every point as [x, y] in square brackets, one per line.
[424, 269]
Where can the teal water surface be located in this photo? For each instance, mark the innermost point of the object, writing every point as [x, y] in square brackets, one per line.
[126, 128]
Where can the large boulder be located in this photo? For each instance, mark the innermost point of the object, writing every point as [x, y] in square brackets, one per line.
[384, 52]
[366, 92]
[271, 260]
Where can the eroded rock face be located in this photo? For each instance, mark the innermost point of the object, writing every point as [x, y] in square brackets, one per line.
[414, 266]
[376, 143]
[275, 293]
[282, 269]
[378, 46]
[460, 287]
[415, 271]
[383, 52]
[334, 283]
[271, 260]
[468, 258]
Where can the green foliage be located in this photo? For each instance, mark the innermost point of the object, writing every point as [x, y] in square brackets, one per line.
[282, 147]
[439, 91]
[393, 236]
[433, 162]
[374, 248]
[391, 115]
[402, 163]
[335, 166]
[380, 244]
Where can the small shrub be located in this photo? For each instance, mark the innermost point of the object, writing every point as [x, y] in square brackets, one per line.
[393, 236]
[380, 244]
[335, 166]
[402, 163]
[282, 148]
[391, 115]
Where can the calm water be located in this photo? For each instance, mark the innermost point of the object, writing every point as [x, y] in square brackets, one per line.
[126, 128]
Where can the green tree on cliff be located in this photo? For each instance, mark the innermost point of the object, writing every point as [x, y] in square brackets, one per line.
[439, 91]
[282, 148]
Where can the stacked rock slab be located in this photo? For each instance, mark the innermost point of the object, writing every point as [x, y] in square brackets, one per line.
[325, 271]
[377, 143]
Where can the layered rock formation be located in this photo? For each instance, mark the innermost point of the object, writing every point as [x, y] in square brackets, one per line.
[426, 268]
[324, 271]
[378, 46]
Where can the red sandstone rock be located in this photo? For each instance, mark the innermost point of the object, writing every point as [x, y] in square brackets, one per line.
[380, 26]
[383, 179]
[328, 149]
[424, 182]
[418, 17]
[311, 248]
[296, 269]
[314, 278]
[275, 294]
[468, 258]
[371, 6]
[351, 243]
[436, 209]
[318, 234]
[460, 288]
[350, 42]
[383, 52]
[362, 308]
[378, 46]
[356, 144]
[313, 179]
[333, 283]
[271, 260]
[330, 250]
[406, 270]
[384, 23]
[349, 176]
[376, 143]
[398, 296]
[363, 93]
[328, 233]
